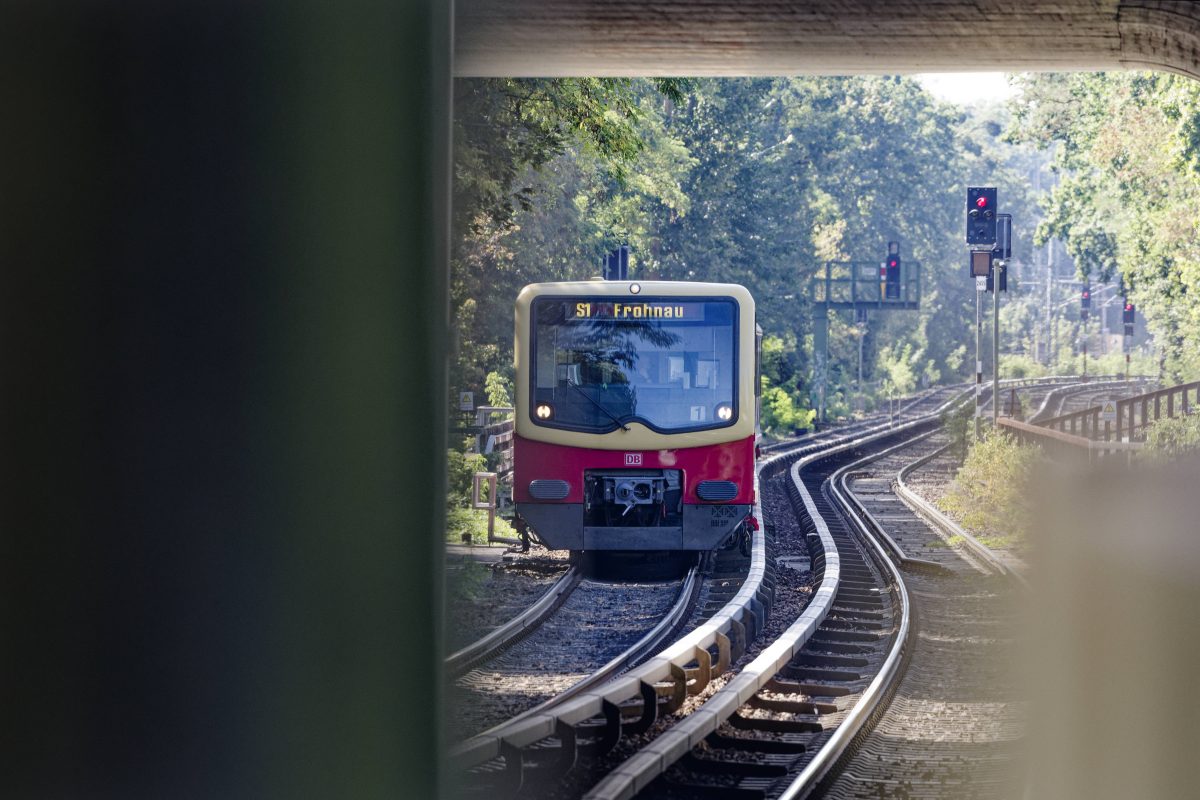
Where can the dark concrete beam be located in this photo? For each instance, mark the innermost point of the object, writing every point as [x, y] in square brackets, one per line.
[777, 37]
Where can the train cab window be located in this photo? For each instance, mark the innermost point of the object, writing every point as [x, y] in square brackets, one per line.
[669, 363]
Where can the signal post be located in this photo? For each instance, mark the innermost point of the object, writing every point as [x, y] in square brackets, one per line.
[989, 236]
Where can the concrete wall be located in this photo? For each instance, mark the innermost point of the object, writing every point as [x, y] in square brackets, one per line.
[776, 37]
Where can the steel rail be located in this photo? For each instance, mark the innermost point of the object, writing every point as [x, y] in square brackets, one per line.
[939, 520]
[516, 628]
[688, 591]
[878, 690]
[1076, 387]
[854, 469]
[669, 666]
[666, 666]
[644, 766]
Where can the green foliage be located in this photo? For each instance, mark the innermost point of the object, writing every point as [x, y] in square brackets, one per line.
[897, 364]
[1021, 366]
[958, 425]
[1170, 438]
[499, 390]
[462, 468]
[754, 181]
[460, 520]
[1126, 149]
[780, 414]
[989, 494]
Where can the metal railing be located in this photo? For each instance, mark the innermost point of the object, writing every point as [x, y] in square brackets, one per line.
[1133, 414]
[1064, 446]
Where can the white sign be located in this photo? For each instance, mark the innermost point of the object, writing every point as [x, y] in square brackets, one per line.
[1108, 411]
[981, 283]
[633, 459]
[466, 401]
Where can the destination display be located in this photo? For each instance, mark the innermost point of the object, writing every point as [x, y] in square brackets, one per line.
[620, 310]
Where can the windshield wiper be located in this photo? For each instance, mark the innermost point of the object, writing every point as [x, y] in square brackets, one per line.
[607, 413]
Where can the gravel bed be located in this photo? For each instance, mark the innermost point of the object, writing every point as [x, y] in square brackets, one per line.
[597, 623]
[481, 596]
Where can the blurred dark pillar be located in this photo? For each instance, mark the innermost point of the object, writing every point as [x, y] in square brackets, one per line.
[222, 235]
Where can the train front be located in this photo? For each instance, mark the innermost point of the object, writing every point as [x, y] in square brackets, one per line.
[635, 414]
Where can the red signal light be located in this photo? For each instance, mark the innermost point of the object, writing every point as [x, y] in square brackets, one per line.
[1129, 306]
[981, 201]
[1087, 295]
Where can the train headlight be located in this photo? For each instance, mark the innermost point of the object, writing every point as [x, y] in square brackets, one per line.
[724, 412]
[544, 411]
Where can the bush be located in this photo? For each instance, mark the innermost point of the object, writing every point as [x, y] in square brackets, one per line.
[988, 496]
[1020, 366]
[1169, 439]
[461, 469]
[780, 416]
[959, 425]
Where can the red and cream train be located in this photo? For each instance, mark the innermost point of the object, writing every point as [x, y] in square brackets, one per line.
[636, 414]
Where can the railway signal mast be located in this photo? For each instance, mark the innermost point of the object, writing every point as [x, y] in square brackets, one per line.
[888, 285]
[1085, 306]
[1128, 314]
[989, 236]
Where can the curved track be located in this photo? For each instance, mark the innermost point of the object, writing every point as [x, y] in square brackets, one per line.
[791, 716]
[955, 724]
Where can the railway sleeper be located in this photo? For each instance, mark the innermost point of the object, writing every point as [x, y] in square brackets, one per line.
[850, 608]
[846, 623]
[829, 635]
[741, 722]
[791, 706]
[806, 689]
[840, 648]
[837, 661]
[806, 674]
[740, 769]
[708, 791]
[786, 744]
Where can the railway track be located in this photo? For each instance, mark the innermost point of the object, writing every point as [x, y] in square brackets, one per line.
[955, 724]
[596, 630]
[1078, 395]
[719, 715]
[817, 682]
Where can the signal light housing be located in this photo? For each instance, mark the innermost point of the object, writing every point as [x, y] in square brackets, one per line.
[891, 272]
[981, 215]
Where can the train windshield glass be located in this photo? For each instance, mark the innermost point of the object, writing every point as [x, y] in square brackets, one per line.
[667, 362]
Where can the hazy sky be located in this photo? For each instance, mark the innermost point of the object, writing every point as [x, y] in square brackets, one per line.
[966, 88]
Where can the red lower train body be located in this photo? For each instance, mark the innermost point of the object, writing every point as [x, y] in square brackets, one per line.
[575, 498]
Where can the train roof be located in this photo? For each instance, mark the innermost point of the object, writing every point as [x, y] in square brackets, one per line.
[628, 288]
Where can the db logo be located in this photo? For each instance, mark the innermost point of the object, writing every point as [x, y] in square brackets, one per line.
[633, 459]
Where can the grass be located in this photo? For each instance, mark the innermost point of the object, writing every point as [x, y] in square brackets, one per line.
[473, 522]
